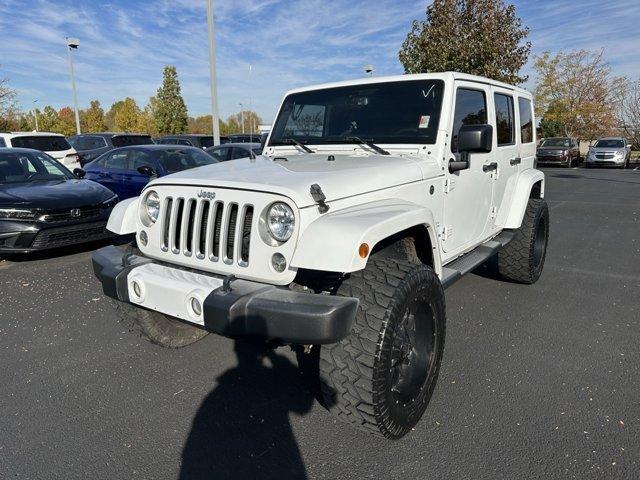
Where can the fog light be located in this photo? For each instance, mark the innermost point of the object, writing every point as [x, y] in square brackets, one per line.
[144, 239]
[196, 306]
[137, 290]
[278, 262]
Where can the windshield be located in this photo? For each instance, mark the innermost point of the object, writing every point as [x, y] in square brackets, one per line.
[556, 142]
[609, 144]
[21, 167]
[392, 112]
[41, 142]
[176, 160]
[124, 140]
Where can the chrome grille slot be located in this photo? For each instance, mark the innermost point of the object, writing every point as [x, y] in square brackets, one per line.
[202, 219]
[188, 226]
[176, 225]
[245, 239]
[166, 219]
[231, 232]
[217, 212]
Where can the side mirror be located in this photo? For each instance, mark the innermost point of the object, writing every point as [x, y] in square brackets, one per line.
[78, 172]
[146, 170]
[471, 139]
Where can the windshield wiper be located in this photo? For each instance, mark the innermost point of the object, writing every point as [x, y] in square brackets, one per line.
[368, 143]
[297, 143]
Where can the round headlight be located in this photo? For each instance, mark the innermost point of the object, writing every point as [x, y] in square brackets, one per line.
[152, 207]
[281, 221]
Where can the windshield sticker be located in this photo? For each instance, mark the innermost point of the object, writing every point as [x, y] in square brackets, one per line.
[424, 121]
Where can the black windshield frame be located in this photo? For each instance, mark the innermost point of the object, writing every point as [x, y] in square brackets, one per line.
[399, 112]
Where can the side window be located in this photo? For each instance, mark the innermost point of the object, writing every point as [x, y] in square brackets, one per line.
[504, 119]
[184, 142]
[239, 153]
[2, 143]
[117, 160]
[139, 159]
[526, 120]
[221, 154]
[470, 109]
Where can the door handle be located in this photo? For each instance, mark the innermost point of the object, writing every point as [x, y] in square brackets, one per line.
[515, 161]
[489, 167]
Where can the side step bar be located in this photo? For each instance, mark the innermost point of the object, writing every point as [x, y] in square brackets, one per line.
[455, 270]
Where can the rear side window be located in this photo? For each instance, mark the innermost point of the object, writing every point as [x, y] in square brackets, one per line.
[117, 160]
[221, 153]
[42, 143]
[526, 120]
[139, 159]
[470, 109]
[2, 144]
[504, 119]
[124, 140]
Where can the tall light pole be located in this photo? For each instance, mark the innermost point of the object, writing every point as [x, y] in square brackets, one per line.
[35, 113]
[72, 44]
[214, 81]
[242, 115]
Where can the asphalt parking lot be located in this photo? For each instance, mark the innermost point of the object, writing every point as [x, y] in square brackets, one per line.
[537, 381]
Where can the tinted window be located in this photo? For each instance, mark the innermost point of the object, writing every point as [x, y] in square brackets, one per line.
[220, 153]
[391, 112]
[470, 109]
[116, 160]
[43, 143]
[30, 167]
[526, 120]
[138, 158]
[90, 142]
[2, 144]
[610, 144]
[239, 153]
[207, 142]
[124, 140]
[182, 159]
[504, 119]
[184, 142]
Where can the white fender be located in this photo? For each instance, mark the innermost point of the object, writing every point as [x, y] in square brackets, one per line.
[331, 242]
[124, 216]
[526, 180]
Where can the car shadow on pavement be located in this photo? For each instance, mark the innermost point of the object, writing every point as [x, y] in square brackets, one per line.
[242, 429]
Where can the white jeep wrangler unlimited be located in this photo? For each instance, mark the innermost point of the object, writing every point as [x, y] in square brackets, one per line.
[371, 197]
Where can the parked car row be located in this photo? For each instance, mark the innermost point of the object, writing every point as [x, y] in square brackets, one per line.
[565, 151]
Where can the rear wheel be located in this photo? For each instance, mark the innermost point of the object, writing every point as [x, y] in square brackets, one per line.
[381, 377]
[522, 259]
[157, 327]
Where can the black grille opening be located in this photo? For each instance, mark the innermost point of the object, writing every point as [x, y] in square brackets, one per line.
[231, 230]
[178, 227]
[204, 220]
[246, 234]
[217, 227]
[166, 218]
[191, 222]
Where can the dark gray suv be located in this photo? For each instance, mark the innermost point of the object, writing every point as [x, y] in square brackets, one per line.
[91, 145]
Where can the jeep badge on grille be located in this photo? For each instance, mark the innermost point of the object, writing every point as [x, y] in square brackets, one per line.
[207, 195]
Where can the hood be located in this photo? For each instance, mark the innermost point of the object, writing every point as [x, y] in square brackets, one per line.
[346, 176]
[553, 149]
[605, 149]
[53, 195]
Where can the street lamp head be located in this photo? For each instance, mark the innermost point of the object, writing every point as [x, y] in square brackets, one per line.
[73, 42]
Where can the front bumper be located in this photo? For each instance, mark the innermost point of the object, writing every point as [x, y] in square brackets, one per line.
[605, 162]
[230, 307]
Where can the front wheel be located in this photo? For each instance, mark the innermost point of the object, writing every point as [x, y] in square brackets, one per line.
[381, 377]
[157, 327]
[522, 259]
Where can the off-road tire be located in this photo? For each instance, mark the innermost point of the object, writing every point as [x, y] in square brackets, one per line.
[522, 259]
[356, 373]
[157, 327]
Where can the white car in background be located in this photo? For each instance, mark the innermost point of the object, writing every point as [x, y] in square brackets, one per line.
[53, 144]
[609, 152]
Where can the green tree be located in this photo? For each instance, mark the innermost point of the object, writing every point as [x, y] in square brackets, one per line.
[126, 115]
[251, 121]
[92, 119]
[65, 122]
[551, 128]
[479, 37]
[47, 119]
[577, 90]
[110, 116]
[171, 112]
[146, 122]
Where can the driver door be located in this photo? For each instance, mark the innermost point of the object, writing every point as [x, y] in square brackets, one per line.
[469, 192]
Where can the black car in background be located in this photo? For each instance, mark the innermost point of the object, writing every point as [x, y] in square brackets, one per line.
[91, 145]
[231, 151]
[244, 138]
[190, 140]
[43, 205]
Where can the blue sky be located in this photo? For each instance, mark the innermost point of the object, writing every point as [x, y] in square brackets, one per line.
[125, 44]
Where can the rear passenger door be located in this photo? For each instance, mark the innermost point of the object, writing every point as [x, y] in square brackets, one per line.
[526, 133]
[506, 155]
[115, 168]
[135, 181]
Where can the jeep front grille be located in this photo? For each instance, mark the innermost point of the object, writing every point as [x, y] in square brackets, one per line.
[210, 230]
